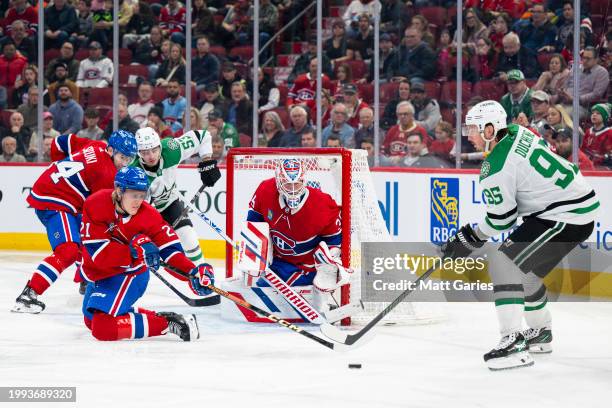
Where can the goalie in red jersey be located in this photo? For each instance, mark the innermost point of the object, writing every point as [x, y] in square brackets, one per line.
[123, 238]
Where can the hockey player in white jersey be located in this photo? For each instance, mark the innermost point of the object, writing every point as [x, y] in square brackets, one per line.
[522, 177]
[160, 159]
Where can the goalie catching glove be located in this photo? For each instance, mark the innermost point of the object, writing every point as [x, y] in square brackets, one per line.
[209, 172]
[200, 278]
[331, 274]
[462, 244]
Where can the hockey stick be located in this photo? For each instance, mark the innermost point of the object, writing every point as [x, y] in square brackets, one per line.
[270, 316]
[350, 339]
[187, 209]
[272, 278]
[207, 301]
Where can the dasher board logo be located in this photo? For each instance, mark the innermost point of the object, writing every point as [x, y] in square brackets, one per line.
[444, 209]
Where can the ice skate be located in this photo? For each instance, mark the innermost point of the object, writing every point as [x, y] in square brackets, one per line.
[184, 326]
[538, 340]
[511, 352]
[27, 302]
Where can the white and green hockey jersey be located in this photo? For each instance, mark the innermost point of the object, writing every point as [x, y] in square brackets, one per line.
[522, 177]
[173, 152]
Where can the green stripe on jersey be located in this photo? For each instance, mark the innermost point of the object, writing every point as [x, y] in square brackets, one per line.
[536, 307]
[500, 227]
[535, 245]
[510, 301]
[585, 210]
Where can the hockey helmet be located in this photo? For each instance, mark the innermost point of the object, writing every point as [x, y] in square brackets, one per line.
[147, 138]
[487, 113]
[290, 181]
[123, 142]
[131, 178]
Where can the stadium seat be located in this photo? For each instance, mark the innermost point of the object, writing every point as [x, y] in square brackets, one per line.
[388, 91]
[448, 115]
[434, 15]
[125, 55]
[283, 94]
[137, 70]
[602, 7]
[488, 89]
[284, 116]
[245, 53]
[432, 89]
[97, 96]
[218, 51]
[366, 92]
[449, 91]
[544, 59]
[159, 94]
[81, 54]
[5, 117]
[50, 54]
[358, 68]
[245, 140]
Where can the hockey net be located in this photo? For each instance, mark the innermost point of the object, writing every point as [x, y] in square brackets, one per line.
[344, 174]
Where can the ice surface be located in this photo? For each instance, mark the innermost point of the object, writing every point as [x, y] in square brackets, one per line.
[244, 365]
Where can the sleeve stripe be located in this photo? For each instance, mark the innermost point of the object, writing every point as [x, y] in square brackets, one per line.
[500, 227]
[503, 216]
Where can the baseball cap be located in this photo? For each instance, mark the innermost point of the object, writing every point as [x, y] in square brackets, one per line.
[228, 66]
[417, 86]
[349, 89]
[94, 45]
[385, 37]
[61, 64]
[540, 96]
[211, 87]
[47, 115]
[215, 114]
[563, 132]
[515, 75]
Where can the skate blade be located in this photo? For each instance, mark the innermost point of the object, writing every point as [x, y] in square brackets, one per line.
[194, 330]
[542, 348]
[19, 308]
[517, 360]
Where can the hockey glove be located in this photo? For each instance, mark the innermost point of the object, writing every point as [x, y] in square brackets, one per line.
[144, 253]
[209, 172]
[200, 277]
[462, 244]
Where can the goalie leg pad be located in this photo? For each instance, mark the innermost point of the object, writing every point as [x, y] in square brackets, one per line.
[191, 244]
[255, 248]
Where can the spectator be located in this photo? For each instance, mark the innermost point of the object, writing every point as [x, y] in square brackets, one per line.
[46, 152]
[558, 117]
[336, 48]
[444, 143]
[484, 64]
[96, 71]
[203, 22]
[304, 89]
[403, 94]
[299, 124]
[420, 23]
[514, 56]
[86, 24]
[67, 114]
[48, 133]
[156, 122]
[416, 59]
[229, 76]
[92, 131]
[523, 120]
[327, 104]
[593, 80]
[565, 25]
[333, 141]
[239, 111]
[509, 7]
[363, 41]
[395, 144]
[367, 144]
[269, 94]
[356, 9]
[540, 104]
[218, 152]
[309, 139]
[66, 57]
[11, 66]
[103, 24]
[366, 126]
[563, 138]
[473, 30]
[173, 106]
[499, 29]
[61, 78]
[427, 110]
[418, 155]
[60, 22]
[390, 15]
[271, 131]
[339, 127]
[125, 122]
[24, 82]
[303, 64]
[353, 104]
[226, 131]
[235, 26]
[172, 21]
[268, 24]
[19, 132]
[555, 78]
[444, 53]
[344, 75]
[518, 98]
[140, 110]
[24, 44]
[388, 56]
[9, 148]
[597, 143]
[140, 24]
[29, 109]
[20, 10]
[172, 68]
[147, 50]
[539, 35]
[205, 67]
[212, 100]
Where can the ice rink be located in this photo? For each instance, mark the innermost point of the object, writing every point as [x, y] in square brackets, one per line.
[242, 365]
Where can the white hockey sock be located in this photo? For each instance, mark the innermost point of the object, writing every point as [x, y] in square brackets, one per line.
[190, 243]
[537, 314]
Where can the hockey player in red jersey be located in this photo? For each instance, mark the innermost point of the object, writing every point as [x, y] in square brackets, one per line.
[123, 237]
[305, 230]
[57, 198]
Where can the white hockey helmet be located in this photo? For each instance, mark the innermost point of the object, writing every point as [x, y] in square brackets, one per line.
[290, 181]
[147, 138]
[487, 113]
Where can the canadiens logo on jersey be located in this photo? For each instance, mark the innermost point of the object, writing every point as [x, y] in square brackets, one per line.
[444, 209]
[92, 73]
[283, 244]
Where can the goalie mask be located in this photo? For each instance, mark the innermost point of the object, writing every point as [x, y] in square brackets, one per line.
[290, 181]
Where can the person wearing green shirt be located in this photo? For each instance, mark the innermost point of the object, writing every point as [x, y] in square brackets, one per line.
[226, 131]
[518, 98]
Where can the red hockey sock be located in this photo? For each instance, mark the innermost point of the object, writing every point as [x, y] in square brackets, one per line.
[105, 327]
[52, 266]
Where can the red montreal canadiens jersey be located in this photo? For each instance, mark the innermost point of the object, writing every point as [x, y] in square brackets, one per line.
[106, 236]
[65, 184]
[65, 145]
[296, 235]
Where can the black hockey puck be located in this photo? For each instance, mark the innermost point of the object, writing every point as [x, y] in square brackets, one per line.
[354, 366]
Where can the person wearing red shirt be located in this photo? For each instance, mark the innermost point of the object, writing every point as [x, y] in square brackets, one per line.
[11, 65]
[597, 141]
[395, 144]
[444, 142]
[563, 144]
[353, 104]
[304, 89]
[22, 11]
[172, 21]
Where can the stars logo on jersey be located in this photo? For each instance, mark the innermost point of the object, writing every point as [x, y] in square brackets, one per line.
[485, 169]
[172, 144]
